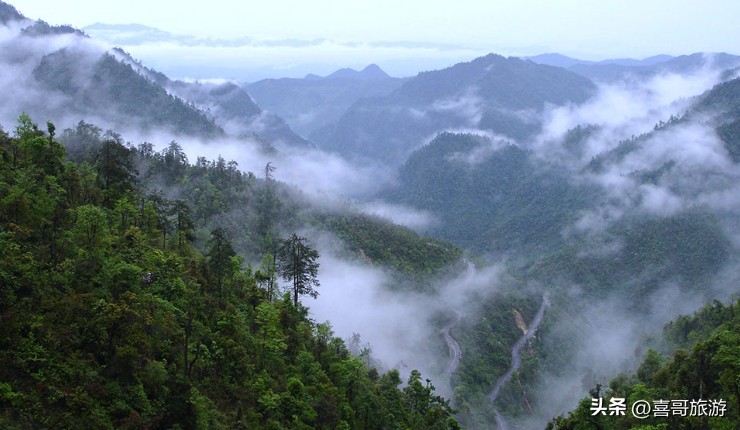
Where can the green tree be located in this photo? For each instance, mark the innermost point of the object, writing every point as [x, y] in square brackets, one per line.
[219, 255]
[115, 167]
[297, 264]
[175, 162]
[183, 223]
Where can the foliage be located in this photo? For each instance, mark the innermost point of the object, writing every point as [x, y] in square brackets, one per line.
[378, 242]
[111, 321]
[488, 195]
[296, 263]
[110, 82]
[707, 370]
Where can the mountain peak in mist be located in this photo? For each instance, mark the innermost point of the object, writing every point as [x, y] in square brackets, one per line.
[557, 60]
[560, 60]
[649, 61]
[370, 72]
[373, 71]
[489, 93]
[9, 13]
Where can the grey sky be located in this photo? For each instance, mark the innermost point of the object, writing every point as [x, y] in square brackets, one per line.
[584, 29]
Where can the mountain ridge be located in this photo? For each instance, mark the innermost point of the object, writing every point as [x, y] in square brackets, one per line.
[9, 13]
[372, 71]
[564, 61]
[313, 102]
[485, 94]
[117, 90]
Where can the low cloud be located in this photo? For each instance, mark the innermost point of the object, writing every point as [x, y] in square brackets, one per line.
[621, 110]
[659, 174]
[398, 326]
[416, 219]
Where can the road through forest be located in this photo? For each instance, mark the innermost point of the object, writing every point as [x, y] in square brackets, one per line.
[455, 351]
[516, 360]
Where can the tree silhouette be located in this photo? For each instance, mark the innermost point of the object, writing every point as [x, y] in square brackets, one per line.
[297, 264]
[219, 255]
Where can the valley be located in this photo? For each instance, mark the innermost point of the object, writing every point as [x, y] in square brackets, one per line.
[484, 244]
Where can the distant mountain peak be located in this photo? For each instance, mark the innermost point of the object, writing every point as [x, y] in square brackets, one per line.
[557, 60]
[560, 60]
[372, 71]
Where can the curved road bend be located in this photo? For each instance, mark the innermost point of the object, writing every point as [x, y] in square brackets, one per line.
[455, 351]
[516, 360]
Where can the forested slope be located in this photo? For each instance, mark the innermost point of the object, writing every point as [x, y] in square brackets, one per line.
[111, 318]
[705, 367]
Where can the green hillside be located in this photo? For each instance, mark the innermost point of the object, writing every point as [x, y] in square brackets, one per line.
[489, 195]
[111, 318]
[705, 368]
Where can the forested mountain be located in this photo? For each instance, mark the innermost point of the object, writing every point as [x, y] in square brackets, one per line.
[491, 93]
[703, 368]
[601, 224]
[112, 319]
[104, 84]
[724, 103]
[79, 80]
[559, 224]
[489, 195]
[493, 194]
[371, 72]
[311, 103]
[9, 14]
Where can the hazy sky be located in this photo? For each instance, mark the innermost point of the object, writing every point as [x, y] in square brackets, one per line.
[584, 29]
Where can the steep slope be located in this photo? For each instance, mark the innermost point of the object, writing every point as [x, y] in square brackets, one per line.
[68, 77]
[313, 102]
[724, 102]
[703, 372]
[492, 93]
[108, 85]
[623, 241]
[111, 318]
[234, 110]
[227, 103]
[8, 13]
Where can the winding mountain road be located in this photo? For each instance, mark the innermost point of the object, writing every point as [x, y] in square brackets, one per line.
[455, 351]
[516, 360]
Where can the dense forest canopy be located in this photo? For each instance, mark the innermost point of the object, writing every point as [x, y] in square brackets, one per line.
[111, 318]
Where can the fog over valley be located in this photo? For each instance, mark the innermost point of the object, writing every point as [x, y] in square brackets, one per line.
[298, 232]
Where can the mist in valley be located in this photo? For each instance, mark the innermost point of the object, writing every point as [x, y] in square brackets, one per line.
[609, 335]
[645, 147]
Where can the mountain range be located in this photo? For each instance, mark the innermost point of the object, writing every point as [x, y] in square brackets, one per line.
[560, 60]
[313, 102]
[486, 94]
[79, 80]
[598, 199]
[619, 69]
